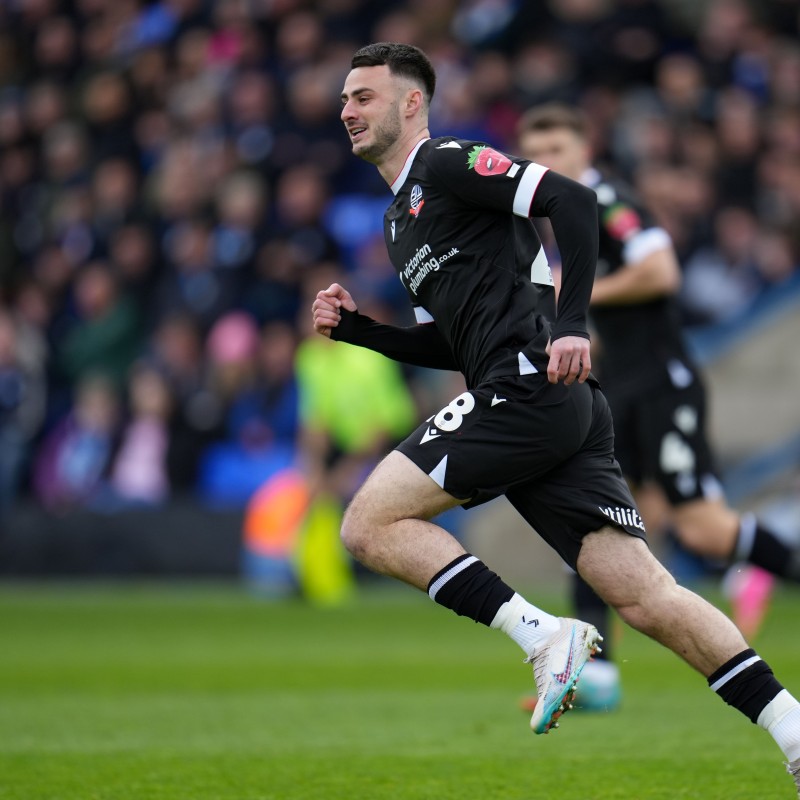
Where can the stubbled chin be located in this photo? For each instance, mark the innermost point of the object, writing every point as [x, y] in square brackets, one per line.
[360, 149]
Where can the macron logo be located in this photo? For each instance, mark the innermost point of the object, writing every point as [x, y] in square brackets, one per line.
[497, 400]
[430, 433]
[394, 223]
[445, 145]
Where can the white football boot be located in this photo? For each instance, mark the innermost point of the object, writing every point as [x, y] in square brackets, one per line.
[557, 665]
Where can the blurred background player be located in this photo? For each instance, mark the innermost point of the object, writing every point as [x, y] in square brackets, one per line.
[655, 391]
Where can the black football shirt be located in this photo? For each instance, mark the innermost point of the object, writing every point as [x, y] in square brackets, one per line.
[459, 235]
[641, 343]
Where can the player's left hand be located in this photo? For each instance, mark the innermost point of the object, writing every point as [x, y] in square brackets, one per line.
[569, 360]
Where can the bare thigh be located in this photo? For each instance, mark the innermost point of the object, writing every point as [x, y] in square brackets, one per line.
[387, 527]
[398, 489]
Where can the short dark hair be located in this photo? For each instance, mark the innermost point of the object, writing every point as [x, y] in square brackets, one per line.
[402, 59]
[553, 116]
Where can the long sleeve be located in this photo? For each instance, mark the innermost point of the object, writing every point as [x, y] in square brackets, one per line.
[419, 345]
[572, 210]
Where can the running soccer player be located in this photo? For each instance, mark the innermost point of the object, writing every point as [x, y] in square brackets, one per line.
[533, 424]
[654, 389]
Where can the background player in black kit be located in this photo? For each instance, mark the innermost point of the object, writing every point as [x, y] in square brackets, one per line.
[533, 424]
[654, 389]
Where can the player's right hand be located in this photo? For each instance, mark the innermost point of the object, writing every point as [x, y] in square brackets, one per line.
[325, 308]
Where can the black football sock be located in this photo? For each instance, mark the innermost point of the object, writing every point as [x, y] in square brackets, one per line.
[468, 587]
[746, 682]
[760, 546]
[590, 608]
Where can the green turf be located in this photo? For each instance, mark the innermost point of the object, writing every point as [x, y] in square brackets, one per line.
[206, 693]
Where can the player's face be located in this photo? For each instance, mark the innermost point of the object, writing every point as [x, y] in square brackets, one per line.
[561, 149]
[371, 111]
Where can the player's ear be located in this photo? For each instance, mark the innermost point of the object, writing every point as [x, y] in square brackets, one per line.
[414, 102]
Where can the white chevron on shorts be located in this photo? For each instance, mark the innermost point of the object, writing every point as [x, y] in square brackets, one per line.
[437, 473]
[525, 366]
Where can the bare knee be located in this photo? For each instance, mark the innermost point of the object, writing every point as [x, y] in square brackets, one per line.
[356, 528]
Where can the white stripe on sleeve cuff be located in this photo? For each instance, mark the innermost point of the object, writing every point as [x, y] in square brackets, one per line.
[528, 184]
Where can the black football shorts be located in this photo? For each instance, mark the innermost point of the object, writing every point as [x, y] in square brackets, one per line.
[549, 448]
[661, 437]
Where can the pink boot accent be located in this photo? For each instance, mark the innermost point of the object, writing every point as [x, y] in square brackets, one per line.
[750, 592]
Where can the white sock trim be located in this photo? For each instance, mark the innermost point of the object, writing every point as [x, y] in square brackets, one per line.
[734, 672]
[776, 709]
[781, 719]
[746, 537]
[451, 573]
[508, 615]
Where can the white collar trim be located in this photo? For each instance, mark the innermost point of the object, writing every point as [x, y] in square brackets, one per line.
[401, 178]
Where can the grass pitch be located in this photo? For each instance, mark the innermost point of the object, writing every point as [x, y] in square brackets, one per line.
[207, 693]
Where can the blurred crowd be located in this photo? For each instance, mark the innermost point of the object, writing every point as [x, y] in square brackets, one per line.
[175, 185]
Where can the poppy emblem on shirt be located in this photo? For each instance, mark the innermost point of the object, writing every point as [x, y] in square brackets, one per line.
[416, 200]
[487, 161]
[622, 221]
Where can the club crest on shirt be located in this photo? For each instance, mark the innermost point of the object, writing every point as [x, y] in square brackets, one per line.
[487, 161]
[416, 200]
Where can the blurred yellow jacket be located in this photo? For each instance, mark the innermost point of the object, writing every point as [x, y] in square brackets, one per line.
[355, 394]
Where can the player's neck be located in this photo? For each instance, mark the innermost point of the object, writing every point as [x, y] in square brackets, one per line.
[395, 160]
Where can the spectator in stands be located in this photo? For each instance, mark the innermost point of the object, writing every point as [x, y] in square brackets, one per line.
[108, 111]
[115, 194]
[241, 213]
[65, 155]
[138, 474]
[252, 105]
[176, 350]
[263, 427]
[301, 195]
[738, 126]
[106, 335]
[231, 350]
[56, 49]
[75, 456]
[265, 414]
[191, 283]
[776, 254]
[273, 291]
[306, 134]
[134, 258]
[721, 280]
